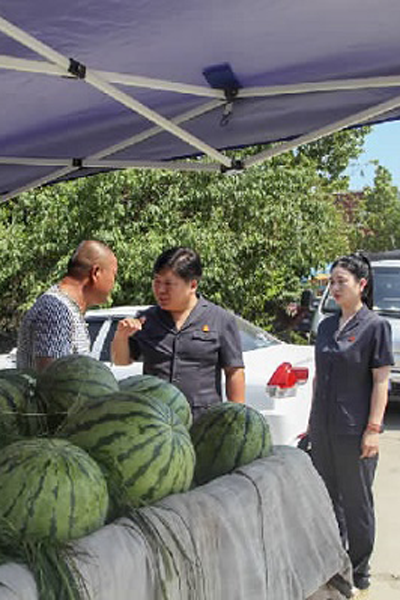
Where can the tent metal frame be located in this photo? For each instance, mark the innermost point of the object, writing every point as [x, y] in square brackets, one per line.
[56, 64]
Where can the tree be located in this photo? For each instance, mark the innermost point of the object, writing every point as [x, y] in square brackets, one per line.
[258, 232]
[378, 215]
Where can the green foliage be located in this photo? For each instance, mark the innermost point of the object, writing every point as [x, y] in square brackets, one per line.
[258, 232]
[378, 216]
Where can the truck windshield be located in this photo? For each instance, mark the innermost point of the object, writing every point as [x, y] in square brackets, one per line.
[386, 291]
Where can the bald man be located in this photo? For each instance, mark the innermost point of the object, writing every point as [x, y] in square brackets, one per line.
[55, 325]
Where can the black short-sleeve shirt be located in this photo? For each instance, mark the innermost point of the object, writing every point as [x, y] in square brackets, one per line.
[344, 363]
[191, 358]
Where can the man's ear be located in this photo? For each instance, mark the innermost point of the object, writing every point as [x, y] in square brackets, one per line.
[194, 285]
[94, 273]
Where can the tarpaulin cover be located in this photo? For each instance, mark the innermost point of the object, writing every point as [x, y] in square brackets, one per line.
[254, 71]
[265, 532]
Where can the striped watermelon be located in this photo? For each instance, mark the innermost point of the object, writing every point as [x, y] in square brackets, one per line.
[142, 444]
[51, 489]
[24, 378]
[19, 414]
[154, 387]
[70, 382]
[17, 394]
[226, 437]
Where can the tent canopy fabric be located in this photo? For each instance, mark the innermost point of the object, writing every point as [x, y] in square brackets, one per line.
[91, 85]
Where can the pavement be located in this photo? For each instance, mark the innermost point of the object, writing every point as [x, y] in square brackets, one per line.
[385, 581]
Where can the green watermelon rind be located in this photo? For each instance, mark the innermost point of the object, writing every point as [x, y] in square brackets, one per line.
[226, 437]
[154, 387]
[73, 380]
[51, 490]
[146, 444]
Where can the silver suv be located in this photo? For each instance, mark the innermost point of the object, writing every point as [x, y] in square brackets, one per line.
[386, 302]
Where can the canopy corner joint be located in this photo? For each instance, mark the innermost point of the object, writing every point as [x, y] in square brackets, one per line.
[77, 69]
[236, 166]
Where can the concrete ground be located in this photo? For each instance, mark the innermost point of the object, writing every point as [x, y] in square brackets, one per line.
[385, 582]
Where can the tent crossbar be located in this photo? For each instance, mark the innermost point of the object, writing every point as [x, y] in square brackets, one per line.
[33, 43]
[105, 152]
[34, 162]
[321, 86]
[45, 68]
[113, 92]
[93, 163]
[151, 132]
[170, 166]
[57, 162]
[312, 136]
[155, 164]
[334, 85]
[37, 183]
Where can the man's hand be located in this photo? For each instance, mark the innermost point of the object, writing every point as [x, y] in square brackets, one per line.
[120, 347]
[127, 327]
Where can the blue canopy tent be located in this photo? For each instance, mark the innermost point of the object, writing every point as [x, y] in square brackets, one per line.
[92, 85]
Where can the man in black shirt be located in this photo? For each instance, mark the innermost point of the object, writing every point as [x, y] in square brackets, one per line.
[185, 339]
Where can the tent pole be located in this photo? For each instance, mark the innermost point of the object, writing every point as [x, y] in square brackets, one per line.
[113, 92]
[46, 68]
[151, 132]
[154, 164]
[42, 181]
[364, 115]
[335, 85]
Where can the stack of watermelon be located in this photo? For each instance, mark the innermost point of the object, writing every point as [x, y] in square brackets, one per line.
[72, 439]
[80, 448]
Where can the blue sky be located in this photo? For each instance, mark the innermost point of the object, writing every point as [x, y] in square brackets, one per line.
[382, 144]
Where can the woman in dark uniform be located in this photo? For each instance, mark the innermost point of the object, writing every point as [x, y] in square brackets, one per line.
[353, 357]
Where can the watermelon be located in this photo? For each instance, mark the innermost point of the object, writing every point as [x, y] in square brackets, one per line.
[154, 387]
[228, 436]
[19, 414]
[51, 489]
[17, 395]
[25, 378]
[142, 444]
[70, 382]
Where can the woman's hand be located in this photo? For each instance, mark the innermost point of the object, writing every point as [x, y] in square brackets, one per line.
[369, 444]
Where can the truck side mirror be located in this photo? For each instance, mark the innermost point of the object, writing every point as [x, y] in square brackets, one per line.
[307, 299]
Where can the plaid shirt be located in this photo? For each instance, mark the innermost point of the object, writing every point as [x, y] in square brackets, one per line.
[53, 327]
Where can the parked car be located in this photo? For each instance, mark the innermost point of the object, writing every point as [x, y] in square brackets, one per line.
[386, 274]
[8, 360]
[278, 375]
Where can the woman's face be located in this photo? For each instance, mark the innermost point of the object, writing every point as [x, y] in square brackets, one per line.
[172, 292]
[345, 287]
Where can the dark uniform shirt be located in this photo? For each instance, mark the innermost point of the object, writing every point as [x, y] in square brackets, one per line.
[192, 357]
[344, 363]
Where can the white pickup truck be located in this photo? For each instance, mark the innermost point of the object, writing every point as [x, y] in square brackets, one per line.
[386, 273]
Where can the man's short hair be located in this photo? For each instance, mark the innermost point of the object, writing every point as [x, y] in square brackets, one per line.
[87, 254]
[184, 262]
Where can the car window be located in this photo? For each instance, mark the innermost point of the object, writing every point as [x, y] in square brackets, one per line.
[105, 354]
[387, 289]
[253, 337]
[94, 326]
